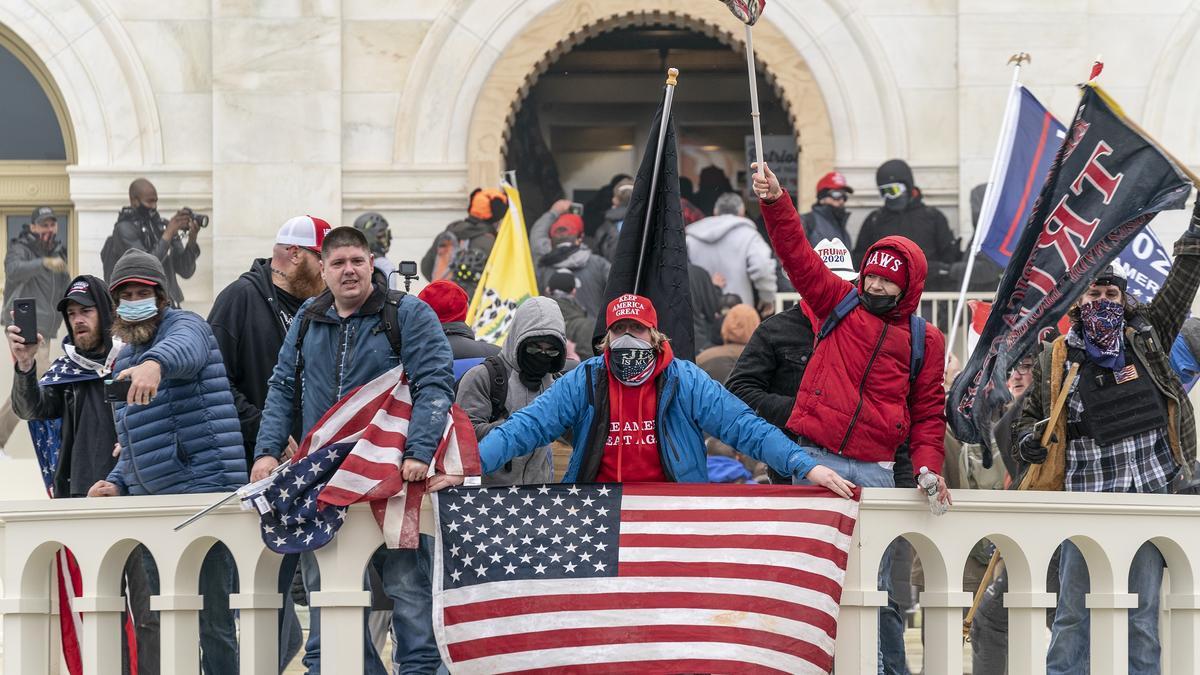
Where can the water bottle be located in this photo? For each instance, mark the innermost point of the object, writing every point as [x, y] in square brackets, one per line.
[929, 483]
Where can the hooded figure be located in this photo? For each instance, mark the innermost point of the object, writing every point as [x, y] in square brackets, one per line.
[905, 213]
[729, 244]
[461, 251]
[557, 242]
[533, 356]
[73, 389]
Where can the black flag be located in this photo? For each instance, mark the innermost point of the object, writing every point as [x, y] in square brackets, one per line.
[664, 261]
[1106, 183]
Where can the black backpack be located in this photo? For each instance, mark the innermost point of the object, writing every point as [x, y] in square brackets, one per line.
[498, 385]
[387, 324]
[109, 255]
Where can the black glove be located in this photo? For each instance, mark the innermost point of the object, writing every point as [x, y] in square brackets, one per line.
[1030, 449]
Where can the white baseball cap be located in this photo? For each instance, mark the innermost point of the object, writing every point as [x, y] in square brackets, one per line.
[306, 231]
[837, 258]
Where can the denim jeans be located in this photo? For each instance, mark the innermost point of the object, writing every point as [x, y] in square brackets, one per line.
[218, 635]
[892, 659]
[291, 637]
[407, 581]
[1070, 636]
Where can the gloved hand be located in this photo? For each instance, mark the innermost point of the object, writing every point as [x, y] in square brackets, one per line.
[1030, 449]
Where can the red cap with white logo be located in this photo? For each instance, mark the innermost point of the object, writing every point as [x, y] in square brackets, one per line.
[633, 307]
[306, 231]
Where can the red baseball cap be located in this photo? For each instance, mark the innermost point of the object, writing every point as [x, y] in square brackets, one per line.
[633, 307]
[833, 180]
[304, 231]
[568, 224]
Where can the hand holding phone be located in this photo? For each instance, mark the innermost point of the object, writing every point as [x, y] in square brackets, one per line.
[24, 314]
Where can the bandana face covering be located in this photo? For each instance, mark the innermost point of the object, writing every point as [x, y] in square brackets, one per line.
[631, 359]
[1103, 326]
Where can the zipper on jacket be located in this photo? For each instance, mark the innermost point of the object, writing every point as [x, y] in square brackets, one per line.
[861, 386]
[132, 455]
[343, 339]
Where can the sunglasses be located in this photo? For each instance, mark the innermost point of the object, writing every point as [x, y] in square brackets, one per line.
[892, 190]
[534, 350]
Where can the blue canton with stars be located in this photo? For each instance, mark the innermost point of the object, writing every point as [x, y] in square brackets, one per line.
[293, 524]
[529, 532]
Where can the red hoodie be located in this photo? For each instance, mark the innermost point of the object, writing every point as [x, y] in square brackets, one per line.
[856, 398]
[631, 452]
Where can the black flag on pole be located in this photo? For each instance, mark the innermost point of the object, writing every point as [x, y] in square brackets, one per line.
[1106, 183]
[665, 263]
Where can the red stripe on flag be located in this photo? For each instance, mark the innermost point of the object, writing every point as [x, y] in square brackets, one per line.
[663, 667]
[360, 419]
[537, 604]
[336, 496]
[783, 575]
[1029, 180]
[728, 490]
[410, 531]
[385, 439]
[771, 542]
[842, 522]
[624, 635]
[468, 448]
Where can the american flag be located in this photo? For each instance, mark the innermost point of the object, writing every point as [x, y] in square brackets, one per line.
[640, 577]
[354, 454]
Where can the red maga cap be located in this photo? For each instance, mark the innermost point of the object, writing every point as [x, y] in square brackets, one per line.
[633, 307]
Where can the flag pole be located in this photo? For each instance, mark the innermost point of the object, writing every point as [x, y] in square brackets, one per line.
[754, 115]
[990, 197]
[672, 79]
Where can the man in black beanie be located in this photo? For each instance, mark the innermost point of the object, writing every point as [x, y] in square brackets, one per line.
[905, 213]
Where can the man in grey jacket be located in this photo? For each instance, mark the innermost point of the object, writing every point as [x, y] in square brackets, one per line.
[534, 354]
[557, 244]
[728, 245]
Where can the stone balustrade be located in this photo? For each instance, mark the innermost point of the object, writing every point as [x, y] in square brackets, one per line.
[1027, 527]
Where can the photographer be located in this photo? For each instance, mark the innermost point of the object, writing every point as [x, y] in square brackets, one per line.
[174, 242]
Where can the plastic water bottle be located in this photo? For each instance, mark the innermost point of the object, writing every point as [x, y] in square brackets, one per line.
[929, 483]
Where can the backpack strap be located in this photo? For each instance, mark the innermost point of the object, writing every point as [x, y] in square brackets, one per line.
[319, 307]
[497, 386]
[388, 321]
[844, 307]
[916, 359]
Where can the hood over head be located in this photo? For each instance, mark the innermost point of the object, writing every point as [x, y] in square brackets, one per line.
[536, 317]
[894, 171]
[912, 264]
[712, 229]
[95, 289]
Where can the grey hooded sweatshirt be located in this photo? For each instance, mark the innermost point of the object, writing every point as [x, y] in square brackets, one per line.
[536, 317]
[731, 246]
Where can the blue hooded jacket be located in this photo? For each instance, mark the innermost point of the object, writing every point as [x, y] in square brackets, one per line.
[690, 404]
[188, 438]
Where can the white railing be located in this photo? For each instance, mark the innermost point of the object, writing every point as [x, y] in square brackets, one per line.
[936, 307]
[1026, 526]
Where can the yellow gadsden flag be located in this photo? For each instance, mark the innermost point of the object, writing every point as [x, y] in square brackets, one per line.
[507, 279]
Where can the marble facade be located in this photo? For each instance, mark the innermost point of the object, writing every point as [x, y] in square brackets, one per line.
[255, 110]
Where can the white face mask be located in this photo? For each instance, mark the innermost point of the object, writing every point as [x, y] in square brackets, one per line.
[631, 359]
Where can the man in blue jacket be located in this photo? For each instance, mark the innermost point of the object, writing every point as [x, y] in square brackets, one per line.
[178, 429]
[346, 344]
[639, 415]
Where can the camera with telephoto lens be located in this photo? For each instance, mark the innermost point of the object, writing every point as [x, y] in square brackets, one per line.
[200, 219]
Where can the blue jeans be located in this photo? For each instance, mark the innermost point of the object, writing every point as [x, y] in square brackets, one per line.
[218, 635]
[1070, 635]
[407, 581]
[892, 659]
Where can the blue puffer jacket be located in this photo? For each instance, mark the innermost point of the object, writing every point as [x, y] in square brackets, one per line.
[341, 354]
[187, 439]
[690, 404]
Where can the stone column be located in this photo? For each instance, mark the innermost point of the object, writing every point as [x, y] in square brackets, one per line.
[179, 621]
[277, 112]
[100, 643]
[259, 622]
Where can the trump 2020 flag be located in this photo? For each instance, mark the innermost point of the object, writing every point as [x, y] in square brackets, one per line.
[507, 278]
[639, 578]
[353, 454]
[1108, 180]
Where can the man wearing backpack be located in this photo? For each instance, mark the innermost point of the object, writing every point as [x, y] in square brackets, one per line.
[874, 379]
[140, 227]
[461, 251]
[533, 357]
[344, 338]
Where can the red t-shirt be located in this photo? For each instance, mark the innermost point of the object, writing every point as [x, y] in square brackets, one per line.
[631, 451]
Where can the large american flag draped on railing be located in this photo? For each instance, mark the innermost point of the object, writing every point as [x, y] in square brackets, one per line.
[354, 454]
[645, 578]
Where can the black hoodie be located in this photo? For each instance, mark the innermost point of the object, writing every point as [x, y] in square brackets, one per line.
[249, 322]
[923, 224]
[88, 435]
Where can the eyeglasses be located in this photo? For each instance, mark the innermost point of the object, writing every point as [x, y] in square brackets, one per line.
[534, 350]
[1022, 369]
[892, 190]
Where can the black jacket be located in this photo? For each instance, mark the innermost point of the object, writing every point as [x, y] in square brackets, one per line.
[821, 223]
[706, 308]
[579, 325]
[88, 435]
[924, 225]
[463, 343]
[249, 326]
[178, 259]
[26, 276]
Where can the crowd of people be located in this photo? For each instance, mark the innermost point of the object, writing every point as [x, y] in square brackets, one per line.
[845, 389]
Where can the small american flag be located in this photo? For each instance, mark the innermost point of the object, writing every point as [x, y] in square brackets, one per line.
[354, 454]
[645, 578]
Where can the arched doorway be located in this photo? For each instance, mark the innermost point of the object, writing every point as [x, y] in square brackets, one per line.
[36, 147]
[586, 111]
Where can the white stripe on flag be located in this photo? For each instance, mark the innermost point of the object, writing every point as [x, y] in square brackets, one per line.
[390, 423]
[347, 408]
[754, 528]
[565, 657]
[393, 518]
[367, 450]
[657, 503]
[352, 482]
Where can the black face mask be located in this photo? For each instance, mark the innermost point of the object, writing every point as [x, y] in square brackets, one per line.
[145, 212]
[878, 304]
[897, 203]
[840, 213]
[533, 367]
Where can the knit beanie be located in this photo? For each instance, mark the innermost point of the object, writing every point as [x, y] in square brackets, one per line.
[140, 267]
[447, 299]
[887, 263]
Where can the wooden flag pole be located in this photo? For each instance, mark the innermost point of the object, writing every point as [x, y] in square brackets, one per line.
[672, 79]
[754, 116]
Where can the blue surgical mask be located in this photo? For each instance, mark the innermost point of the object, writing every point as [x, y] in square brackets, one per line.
[138, 310]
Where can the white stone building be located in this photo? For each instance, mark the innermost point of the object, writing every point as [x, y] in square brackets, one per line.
[256, 110]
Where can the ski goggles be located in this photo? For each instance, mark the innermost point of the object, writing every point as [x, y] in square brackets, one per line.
[840, 195]
[892, 190]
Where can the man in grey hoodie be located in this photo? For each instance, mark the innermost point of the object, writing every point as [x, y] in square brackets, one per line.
[729, 245]
[533, 356]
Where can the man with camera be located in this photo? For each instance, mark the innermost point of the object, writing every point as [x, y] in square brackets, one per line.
[173, 242]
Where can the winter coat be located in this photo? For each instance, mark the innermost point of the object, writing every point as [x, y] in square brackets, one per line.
[856, 398]
[1148, 332]
[187, 439]
[924, 225]
[690, 404]
[341, 354]
[88, 435]
[25, 276]
[821, 223]
[579, 325]
[731, 246]
[466, 350]
[478, 234]
[706, 307]
[609, 232]
[589, 268]
[536, 317]
[178, 259]
[249, 326]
